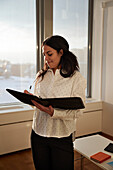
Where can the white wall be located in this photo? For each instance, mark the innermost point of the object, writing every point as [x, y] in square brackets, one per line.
[96, 50]
[15, 128]
[16, 125]
[105, 57]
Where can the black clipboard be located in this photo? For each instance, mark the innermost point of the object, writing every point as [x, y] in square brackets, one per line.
[72, 103]
[109, 148]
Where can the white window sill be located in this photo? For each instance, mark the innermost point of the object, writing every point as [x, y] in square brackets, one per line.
[23, 113]
[13, 108]
[15, 114]
[91, 105]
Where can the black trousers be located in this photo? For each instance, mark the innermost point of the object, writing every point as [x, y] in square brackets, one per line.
[52, 153]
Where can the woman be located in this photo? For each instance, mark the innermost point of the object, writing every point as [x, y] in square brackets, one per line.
[53, 128]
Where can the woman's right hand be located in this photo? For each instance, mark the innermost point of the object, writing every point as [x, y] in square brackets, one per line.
[27, 92]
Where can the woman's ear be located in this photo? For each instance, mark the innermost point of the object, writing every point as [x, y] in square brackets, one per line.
[61, 52]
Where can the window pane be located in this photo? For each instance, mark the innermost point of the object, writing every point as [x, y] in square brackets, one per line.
[70, 19]
[17, 46]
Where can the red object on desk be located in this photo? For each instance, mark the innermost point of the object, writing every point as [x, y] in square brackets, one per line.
[100, 157]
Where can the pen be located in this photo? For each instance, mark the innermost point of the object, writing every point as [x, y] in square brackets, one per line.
[30, 87]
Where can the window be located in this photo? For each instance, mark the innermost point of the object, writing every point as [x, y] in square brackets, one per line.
[71, 20]
[17, 46]
[18, 37]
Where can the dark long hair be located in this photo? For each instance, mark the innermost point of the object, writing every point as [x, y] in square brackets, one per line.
[68, 62]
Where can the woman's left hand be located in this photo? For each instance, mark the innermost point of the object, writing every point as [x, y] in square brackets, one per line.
[48, 110]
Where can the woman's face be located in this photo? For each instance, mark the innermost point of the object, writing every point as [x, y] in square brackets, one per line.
[52, 57]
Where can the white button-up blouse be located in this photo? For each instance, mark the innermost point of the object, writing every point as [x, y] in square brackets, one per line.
[63, 122]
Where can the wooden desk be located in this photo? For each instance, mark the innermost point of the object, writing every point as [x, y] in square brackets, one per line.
[90, 145]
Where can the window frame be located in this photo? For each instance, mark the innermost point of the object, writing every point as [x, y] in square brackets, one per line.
[90, 39]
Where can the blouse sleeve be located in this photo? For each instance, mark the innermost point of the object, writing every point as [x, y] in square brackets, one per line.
[79, 87]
